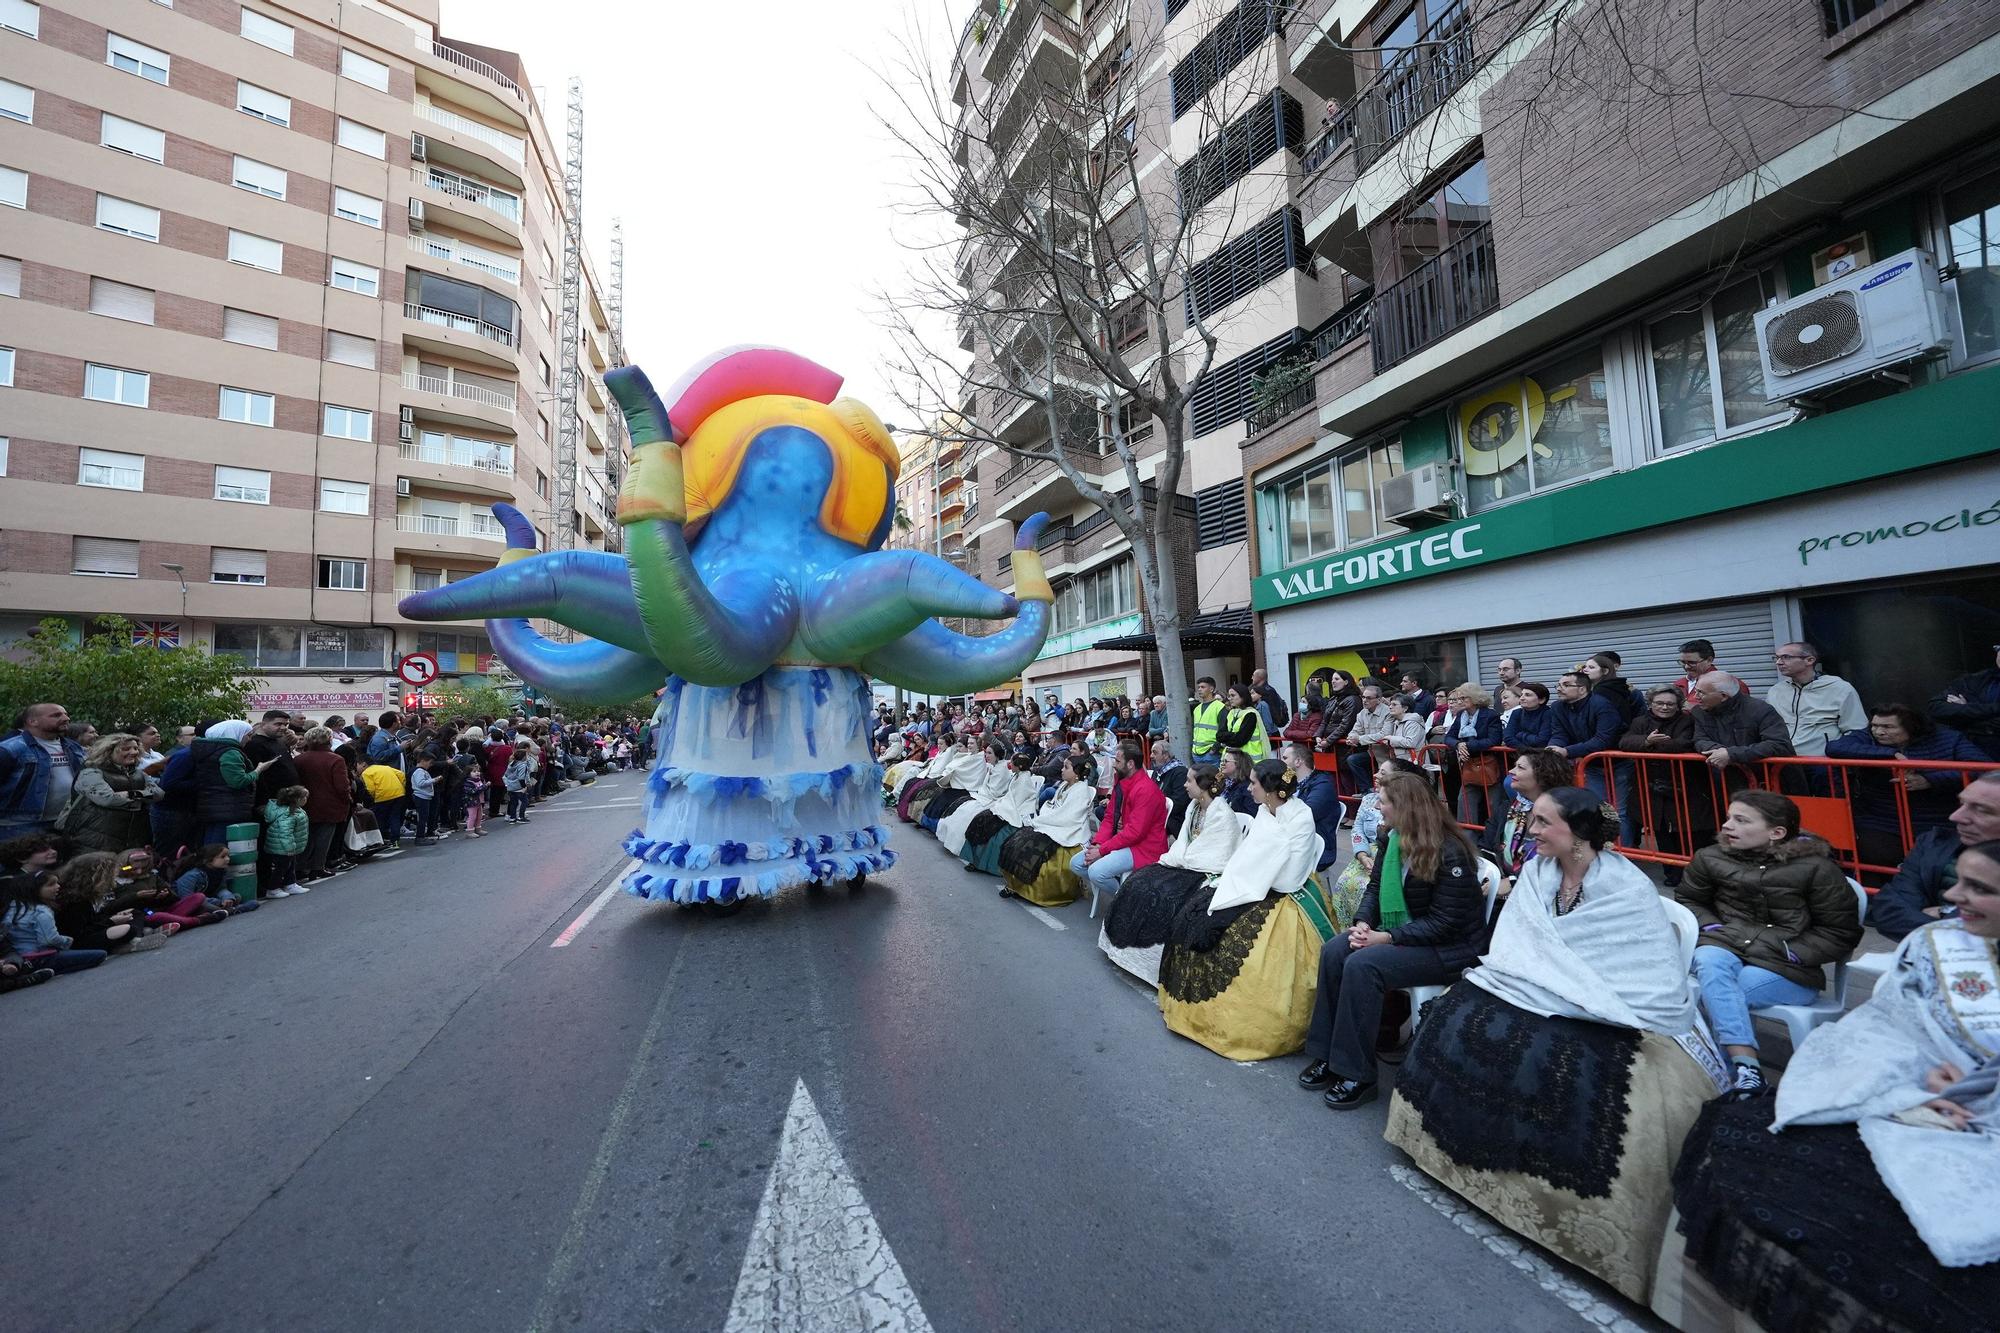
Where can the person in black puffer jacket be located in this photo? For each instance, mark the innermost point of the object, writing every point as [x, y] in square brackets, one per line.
[1424, 895]
[225, 781]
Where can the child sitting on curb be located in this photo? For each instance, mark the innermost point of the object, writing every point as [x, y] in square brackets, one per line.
[200, 879]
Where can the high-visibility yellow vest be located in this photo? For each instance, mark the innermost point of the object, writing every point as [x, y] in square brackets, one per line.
[1207, 717]
[1257, 746]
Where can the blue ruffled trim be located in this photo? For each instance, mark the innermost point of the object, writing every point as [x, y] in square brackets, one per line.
[705, 856]
[785, 787]
[830, 868]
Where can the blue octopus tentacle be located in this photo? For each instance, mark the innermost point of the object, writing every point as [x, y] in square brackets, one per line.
[877, 598]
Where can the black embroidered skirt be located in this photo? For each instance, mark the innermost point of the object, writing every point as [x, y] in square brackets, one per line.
[1142, 912]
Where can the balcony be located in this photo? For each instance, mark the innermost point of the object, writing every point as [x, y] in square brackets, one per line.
[457, 323]
[434, 246]
[1442, 295]
[495, 213]
[433, 534]
[473, 65]
[1416, 85]
[1295, 399]
[447, 387]
[510, 146]
[488, 456]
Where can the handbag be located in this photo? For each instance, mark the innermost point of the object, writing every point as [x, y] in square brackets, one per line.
[1482, 770]
[363, 834]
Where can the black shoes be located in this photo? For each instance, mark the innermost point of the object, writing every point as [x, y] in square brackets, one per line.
[1315, 1076]
[1346, 1094]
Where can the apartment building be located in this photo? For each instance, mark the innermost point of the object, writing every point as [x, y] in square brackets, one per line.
[1641, 364]
[1200, 97]
[281, 325]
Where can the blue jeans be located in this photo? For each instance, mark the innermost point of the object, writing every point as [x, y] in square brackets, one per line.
[68, 960]
[517, 805]
[1106, 871]
[426, 816]
[1625, 774]
[1731, 988]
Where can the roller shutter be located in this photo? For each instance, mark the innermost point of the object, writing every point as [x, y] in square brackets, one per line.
[1742, 632]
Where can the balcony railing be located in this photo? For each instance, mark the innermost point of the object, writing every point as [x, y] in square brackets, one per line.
[500, 266]
[479, 67]
[464, 187]
[1444, 294]
[1414, 86]
[510, 145]
[455, 452]
[451, 388]
[463, 323]
[1298, 398]
[1351, 321]
[437, 525]
[1336, 136]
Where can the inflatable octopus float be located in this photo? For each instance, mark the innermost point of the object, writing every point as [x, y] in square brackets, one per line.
[753, 597]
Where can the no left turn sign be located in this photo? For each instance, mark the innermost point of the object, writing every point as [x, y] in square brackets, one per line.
[419, 669]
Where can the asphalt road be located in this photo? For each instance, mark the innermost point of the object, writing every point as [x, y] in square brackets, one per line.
[425, 1097]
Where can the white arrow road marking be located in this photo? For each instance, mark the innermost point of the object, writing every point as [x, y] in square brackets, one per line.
[817, 1260]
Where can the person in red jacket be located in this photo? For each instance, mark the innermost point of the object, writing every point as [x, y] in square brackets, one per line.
[1134, 831]
[498, 753]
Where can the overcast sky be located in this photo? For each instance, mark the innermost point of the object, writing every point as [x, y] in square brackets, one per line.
[738, 144]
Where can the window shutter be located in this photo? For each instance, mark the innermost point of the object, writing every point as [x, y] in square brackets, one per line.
[1219, 515]
[10, 277]
[240, 326]
[129, 136]
[105, 555]
[256, 251]
[350, 349]
[250, 174]
[125, 216]
[121, 301]
[236, 563]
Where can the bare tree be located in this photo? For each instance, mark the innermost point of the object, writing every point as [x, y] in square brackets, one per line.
[1081, 237]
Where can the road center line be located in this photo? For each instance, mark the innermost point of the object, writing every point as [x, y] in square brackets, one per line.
[609, 805]
[1045, 918]
[583, 919]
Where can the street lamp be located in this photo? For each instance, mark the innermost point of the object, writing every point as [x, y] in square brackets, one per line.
[179, 574]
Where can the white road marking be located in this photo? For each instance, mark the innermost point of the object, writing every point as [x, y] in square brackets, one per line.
[1522, 1254]
[609, 805]
[583, 919]
[1042, 916]
[816, 1258]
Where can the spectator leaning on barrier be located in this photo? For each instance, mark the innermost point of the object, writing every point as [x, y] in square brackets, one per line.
[1343, 705]
[39, 765]
[1732, 729]
[1532, 726]
[1914, 896]
[1972, 705]
[1815, 705]
[1697, 660]
[1584, 722]
[1897, 731]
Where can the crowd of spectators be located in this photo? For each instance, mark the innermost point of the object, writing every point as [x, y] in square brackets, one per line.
[112, 842]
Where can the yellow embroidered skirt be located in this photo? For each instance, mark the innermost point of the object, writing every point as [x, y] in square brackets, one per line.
[1251, 996]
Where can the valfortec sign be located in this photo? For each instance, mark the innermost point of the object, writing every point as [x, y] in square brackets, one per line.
[1428, 553]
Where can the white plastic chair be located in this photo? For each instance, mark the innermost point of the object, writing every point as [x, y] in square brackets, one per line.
[1489, 880]
[1686, 927]
[1801, 1019]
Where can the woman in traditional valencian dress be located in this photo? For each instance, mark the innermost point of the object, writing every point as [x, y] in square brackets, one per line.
[919, 787]
[964, 770]
[992, 786]
[989, 830]
[1871, 1200]
[1135, 929]
[1553, 1085]
[1035, 862]
[1240, 963]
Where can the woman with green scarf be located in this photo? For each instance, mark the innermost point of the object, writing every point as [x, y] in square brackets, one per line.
[1421, 923]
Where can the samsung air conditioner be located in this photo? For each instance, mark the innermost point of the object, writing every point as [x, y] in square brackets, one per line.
[416, 215]
[1888, 314]
[1418, 497]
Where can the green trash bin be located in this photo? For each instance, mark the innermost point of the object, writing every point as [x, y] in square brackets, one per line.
[243, 860]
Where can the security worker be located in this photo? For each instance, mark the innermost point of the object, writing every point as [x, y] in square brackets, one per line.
[1207, 721]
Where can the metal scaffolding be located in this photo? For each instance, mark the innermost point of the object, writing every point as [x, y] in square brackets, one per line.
[614, 304]
[563, 525]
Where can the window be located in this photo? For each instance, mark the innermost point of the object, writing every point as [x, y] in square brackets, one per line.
[266, 31]
[104, 557]
[21, 16]
[542, 427]
[6, 367]
[1337, 502]
[260, 177]
[1430, 225]
[3, 455]
[289, 647]
[352, 277]
[1707, 376]
[357, 207]
[1972, 221]
[1841, 15]
[128, 55]
[13, 187]
[348, 423]
[243, 485]
[109, 384]
[541, 483]
[1105, 593]
[120, 301]
[343, 575]
[17, 101]
[118, 472]
[227, 564]
[343, 497]
[361, 138]
[263, 103]
[256, 251]
[10, 276]
[247, 406]
[129, 136]
[350, 349]
[1128, 323]
[252, 330]
[545, 370]
[1546, 428]
[363, 70]
[127, 218]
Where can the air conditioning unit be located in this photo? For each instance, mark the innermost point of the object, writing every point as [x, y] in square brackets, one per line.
[416, 215]
[420, 148]
[1887, 314]
[406, 431]
[406, 414]
[1417, 498]
[402, 485]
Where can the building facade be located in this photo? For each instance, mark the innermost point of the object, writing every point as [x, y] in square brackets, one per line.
[1577, 296]
[280, 323]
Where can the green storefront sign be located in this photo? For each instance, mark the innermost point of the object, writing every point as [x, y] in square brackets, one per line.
[1944, 422]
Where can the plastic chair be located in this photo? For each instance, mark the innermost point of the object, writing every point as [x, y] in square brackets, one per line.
[1489, 880]
[1801, 1019]
[1686, 927]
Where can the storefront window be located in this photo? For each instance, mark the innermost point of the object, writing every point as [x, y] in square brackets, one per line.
[1435, 661]
[1972, 213]
[289, 647]
[1706, 368]
[1905, 642]
[1545, 429]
